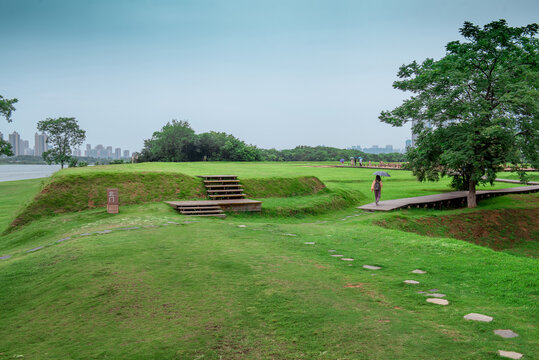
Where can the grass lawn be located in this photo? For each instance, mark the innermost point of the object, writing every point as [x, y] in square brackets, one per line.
[163, 286]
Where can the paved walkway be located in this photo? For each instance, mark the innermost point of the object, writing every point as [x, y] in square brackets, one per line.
[516, 181]
[443, 199]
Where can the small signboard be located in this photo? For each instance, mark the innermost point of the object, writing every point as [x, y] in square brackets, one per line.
[112, 201]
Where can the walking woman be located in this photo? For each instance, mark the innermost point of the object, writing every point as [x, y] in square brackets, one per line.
[377, 188]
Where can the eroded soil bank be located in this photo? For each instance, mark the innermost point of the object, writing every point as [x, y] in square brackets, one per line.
[511, 230]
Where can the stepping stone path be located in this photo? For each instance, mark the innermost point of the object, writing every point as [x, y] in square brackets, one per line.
[64, 239]
[371, 267]
[510, 354]
[412, 282]
[88, 234]
[242, 226]
[337, 255]
[332, 250]
[347, 259]
[434, 290]
[417, 271]
[5, 257]
[438, 301]
[506, 333]
[290, 234]
[478, 317]
[436, 295]
[104, 232]
[309, 243]
[35, 249]
[421, 292]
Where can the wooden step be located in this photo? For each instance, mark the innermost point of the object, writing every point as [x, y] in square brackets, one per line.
[218, 176]
[183, 207]
[227, 190]
[220, 181]
[227, 196]
[216, 215]
[206, 212]
[224, 186]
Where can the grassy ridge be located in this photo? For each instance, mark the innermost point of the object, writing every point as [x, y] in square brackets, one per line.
[72, 191]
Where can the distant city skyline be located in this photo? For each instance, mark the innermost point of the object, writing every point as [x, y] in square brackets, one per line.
[22, 147]
[273, 73]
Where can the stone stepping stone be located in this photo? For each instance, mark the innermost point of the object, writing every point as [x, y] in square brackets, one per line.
[412, 282]
[5, 257]
[64, 239]
[506, 333]
[173, 223]
[104, 232]
[421, 292]
[417, 271]
[132, 228]
[438, 301]
[434, 290]
[190, 222]
[436, 295]
[478, 317]
[35, 249]
[87, 234]
[347, 259]
[309, 243]
[371, 267]
[332, 250]
[510, 354]
[290, 234]
[242, 226]
[337, 255]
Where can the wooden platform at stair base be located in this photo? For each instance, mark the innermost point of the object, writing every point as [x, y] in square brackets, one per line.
[448, 199]
[226, 205]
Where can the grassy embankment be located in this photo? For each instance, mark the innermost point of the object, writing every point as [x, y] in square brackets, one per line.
[210, 289]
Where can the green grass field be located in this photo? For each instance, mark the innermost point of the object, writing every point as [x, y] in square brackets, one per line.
[163, 286]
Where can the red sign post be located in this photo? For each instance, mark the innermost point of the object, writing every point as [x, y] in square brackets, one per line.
[112, 201]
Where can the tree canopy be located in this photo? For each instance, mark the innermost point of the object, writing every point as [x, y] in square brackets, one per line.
[177, 141]
[64, 134]
[6, 109]
[476, 108]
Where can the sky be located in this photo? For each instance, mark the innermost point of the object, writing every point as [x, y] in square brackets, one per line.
[276, 74]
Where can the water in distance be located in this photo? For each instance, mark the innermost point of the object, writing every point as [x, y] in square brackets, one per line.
[23, 172]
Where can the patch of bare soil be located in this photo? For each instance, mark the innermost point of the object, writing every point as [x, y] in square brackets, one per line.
[497, 229]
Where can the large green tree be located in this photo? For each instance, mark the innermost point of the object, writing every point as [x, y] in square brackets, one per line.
[476, 108]
[6, 109]
[64, 134]
[174, 142]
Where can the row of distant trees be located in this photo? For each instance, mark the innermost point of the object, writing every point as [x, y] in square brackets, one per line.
[177, 141]
[326, 153]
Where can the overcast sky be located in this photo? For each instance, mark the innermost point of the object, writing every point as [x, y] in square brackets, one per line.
[272, 73]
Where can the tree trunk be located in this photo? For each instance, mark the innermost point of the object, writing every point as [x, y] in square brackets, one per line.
[472, 199]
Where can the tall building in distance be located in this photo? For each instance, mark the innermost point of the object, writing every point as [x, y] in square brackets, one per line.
[102, 152]
[408, 143]
[15, 141]
[40, 145]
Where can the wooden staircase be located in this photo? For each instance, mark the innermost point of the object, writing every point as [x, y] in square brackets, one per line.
[225, 192]
[223, 187]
